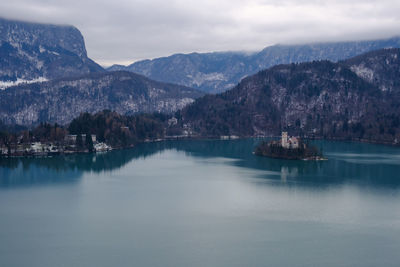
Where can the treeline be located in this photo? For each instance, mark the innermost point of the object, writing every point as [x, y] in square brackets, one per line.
[44, 132]
[119, 130]
[109, 127]
[275, 150]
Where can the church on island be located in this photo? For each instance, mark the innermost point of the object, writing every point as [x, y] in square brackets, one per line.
[288, 147]
[289, 142]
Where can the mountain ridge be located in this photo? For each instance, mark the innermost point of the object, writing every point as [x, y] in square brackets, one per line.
[63, 99]
[219, 71]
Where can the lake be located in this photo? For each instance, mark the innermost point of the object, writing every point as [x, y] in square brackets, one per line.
[202, 203]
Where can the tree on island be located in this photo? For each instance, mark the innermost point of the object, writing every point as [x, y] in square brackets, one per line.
[275, 150]
[78, 142]
[89, 142]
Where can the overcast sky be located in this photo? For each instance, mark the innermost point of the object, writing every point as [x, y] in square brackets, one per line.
[123, 31]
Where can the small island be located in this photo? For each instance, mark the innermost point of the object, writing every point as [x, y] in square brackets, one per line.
[288, 148]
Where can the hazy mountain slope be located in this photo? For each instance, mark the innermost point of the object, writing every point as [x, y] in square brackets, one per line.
[379, 67]
[217, 72]
[284, 54]
[209, 72]
[62, 100]
[30, 51]
[322, 99]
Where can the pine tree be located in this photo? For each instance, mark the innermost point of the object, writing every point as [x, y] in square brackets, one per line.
[89, 142]
[79, 143]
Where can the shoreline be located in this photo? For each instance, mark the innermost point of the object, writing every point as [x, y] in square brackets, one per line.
[210, 138]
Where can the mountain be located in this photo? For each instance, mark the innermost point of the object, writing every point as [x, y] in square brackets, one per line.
[63, 99]
[380, 68]
[218, 72]
[209, 72]
[37, 52]
[356, 99]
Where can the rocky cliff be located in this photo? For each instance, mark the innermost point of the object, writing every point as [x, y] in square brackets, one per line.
[38, 52]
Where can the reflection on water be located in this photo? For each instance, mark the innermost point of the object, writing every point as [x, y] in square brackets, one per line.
[286, 172]
[202, 203]
[69, 168]
[364, 164]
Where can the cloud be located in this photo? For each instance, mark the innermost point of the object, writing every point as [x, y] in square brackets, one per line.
[122, 31]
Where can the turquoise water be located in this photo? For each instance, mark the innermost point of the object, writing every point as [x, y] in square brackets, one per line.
[202, 203]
